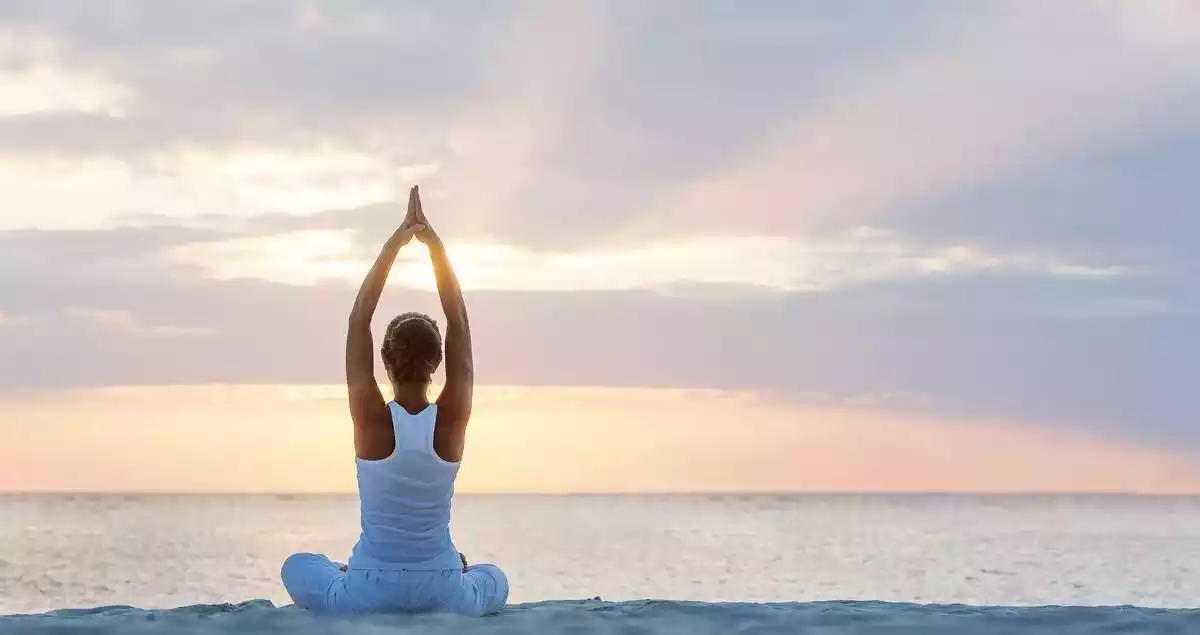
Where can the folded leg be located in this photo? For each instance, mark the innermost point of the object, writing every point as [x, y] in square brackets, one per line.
[311, 579]
[485, 590]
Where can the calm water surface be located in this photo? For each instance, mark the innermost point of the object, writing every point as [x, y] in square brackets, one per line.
[162, 551]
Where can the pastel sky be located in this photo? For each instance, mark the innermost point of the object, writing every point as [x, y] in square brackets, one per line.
[706, 246]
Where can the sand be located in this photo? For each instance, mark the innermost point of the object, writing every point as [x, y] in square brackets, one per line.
[625, 618]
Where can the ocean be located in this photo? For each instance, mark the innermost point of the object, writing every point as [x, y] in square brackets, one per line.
[698, 557]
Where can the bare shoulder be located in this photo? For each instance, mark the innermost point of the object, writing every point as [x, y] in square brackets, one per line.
[450, 430]
[374, 437]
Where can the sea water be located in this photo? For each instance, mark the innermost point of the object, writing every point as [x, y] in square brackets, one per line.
[162, 551]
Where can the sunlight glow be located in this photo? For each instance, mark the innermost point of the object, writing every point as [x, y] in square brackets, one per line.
[556, 439]
[778, 263]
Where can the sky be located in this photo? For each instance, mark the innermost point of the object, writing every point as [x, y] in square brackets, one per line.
[705, 246]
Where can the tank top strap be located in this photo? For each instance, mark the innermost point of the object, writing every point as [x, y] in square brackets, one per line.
[414, 432]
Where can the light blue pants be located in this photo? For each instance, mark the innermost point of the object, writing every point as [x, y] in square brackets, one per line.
[319, 584]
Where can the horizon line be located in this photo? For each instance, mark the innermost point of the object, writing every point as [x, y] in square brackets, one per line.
[764, 493]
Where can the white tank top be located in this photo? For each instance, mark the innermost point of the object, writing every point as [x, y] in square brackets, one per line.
[404, 501]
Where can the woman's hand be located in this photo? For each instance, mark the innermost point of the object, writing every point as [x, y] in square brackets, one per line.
[416, 216]
[414, 220]
[405, 233]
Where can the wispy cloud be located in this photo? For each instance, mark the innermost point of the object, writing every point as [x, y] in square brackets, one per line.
[37, 78]
[818, 263]
[189, 183]
[8, 321]
[128, 324]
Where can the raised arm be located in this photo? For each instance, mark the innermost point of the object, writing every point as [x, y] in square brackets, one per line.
[454, 403]
[368, 411]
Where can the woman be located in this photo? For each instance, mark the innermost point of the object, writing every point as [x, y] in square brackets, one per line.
[408, 452]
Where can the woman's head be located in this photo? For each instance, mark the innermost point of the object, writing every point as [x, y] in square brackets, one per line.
[412, 348]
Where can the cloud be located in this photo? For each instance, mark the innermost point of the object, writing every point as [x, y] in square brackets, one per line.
[1131, 204]
[988, 96]
[340, 245]
[796, 120]
[51, 89]
[1010, 347]
[126, 323]
[9, 321]
[191, 183]
[817, 263]
[36, 78]
[281, 114]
